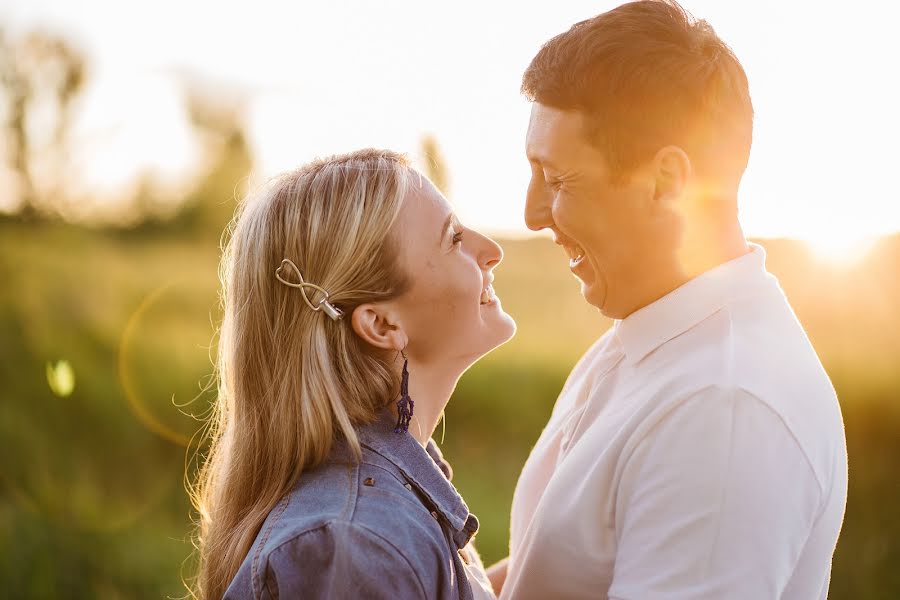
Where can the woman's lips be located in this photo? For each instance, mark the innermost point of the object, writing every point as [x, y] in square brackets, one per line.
[487, 295]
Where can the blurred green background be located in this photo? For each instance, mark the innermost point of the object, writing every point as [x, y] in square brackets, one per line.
[107, 333]
[92, 501]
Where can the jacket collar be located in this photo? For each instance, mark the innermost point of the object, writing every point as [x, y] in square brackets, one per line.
[646, 329]
[424, 468]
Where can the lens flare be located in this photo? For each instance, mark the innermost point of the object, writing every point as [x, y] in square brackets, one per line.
[135, 403]
[61, 378]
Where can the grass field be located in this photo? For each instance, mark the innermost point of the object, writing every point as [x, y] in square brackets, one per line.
[92, 500]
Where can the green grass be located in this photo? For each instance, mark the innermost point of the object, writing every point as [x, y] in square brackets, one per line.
[92, 502]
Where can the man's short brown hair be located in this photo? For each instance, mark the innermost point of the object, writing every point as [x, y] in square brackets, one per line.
[647, 74]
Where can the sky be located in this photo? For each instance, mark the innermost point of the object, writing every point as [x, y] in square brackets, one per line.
[326, 77]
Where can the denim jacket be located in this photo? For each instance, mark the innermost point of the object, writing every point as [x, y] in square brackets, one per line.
[390, 526]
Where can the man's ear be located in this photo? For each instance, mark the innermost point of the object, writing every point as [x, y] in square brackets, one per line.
[377, 325]
[671, 170]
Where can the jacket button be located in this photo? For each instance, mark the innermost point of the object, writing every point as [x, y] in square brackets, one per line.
[369, 481]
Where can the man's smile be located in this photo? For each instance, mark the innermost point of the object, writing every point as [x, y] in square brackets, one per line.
[573, 250]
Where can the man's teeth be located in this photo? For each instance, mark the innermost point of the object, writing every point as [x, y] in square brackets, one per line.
[576, 255]
[487, 294]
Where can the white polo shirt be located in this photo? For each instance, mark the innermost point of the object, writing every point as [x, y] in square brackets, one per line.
[696, 451]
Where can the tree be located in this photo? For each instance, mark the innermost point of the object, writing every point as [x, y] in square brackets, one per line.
[40, 72]
[216, 113]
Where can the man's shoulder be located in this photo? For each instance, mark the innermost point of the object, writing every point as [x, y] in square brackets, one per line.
[757, 346]
[754, 349]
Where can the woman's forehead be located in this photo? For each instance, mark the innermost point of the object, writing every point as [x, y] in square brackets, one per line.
[421, 226]
[425, 202]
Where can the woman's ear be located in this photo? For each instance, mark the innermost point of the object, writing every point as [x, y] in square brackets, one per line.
[377, 325]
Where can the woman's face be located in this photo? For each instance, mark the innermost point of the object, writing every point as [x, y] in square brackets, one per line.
[449, 313]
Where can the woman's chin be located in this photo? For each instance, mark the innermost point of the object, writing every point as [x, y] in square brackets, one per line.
[497, 330]
[501, 326]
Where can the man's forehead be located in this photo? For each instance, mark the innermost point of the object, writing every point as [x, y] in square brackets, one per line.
[552, 132]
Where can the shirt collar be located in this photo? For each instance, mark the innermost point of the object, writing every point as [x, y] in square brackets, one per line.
[425, 468]
[643, 331]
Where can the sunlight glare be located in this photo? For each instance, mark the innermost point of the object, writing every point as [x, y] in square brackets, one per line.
[844, 249]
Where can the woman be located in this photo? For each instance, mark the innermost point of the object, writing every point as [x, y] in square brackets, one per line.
[354, 300]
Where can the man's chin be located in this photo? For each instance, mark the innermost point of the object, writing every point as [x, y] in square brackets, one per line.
[594, 292]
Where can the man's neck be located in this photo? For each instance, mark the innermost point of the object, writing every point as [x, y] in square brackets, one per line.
[708, 244]
[704, 246]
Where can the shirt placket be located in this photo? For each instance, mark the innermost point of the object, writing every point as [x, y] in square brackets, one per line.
[607, 364]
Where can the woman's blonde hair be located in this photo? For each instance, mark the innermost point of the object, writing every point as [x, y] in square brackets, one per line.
[291, 380]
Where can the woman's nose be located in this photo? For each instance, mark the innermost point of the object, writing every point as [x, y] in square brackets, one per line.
[490, 254]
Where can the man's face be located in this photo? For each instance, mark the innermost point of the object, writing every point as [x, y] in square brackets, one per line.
[620, 244]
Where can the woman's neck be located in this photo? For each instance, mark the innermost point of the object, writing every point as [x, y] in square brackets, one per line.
[430, 387]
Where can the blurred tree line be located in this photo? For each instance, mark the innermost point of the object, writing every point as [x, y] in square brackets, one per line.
[42, 76]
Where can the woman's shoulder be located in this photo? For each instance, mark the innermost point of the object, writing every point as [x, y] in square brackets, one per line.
[341, 558]
[356, 524]
[372, 494]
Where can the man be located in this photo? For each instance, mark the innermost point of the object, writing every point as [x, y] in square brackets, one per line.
[697, 449]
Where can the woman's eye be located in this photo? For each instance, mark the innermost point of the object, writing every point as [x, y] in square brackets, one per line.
[457, 238]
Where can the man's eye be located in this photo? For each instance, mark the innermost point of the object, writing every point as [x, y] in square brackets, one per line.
[457, 238]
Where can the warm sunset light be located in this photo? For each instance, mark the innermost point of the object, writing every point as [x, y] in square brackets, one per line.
[805, 160]
[663, 403]
[840, 248]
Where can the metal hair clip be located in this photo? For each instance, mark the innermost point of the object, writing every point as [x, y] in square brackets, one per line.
[324, 305]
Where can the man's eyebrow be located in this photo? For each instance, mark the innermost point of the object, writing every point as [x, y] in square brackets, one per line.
[541, 162]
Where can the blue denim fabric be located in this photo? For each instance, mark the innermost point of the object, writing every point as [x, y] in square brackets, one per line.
[390, 526]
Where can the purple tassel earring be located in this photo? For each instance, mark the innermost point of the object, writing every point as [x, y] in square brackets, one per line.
[405, 403]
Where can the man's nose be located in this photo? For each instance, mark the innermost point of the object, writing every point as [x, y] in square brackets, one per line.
[537, 206]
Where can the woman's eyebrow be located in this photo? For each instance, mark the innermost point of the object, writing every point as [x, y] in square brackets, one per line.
[446, 225]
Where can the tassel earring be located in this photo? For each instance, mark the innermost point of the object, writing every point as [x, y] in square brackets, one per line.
[405, 403]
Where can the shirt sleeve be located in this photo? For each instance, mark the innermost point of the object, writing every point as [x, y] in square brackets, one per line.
[716, 501]
[475, 573]
[339, 560]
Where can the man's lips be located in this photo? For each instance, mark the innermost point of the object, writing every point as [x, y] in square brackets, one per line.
[573, 250]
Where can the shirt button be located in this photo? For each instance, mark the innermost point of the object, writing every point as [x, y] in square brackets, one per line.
[434, 514]
[369, 481]
[407, 486]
